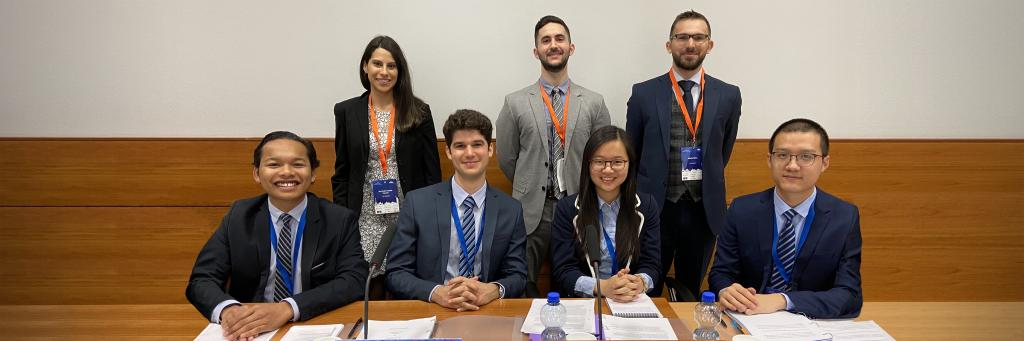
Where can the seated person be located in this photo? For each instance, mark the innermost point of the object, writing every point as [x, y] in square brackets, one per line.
[792, 247]
[460, 244]
[286, 255]
[626, 223]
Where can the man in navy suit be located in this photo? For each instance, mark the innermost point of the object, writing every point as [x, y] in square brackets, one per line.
[460, 244]
[685, 123]
[792, 247]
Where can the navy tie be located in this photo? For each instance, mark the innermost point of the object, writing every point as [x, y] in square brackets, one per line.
[786, 249]
[469, 231]
[688, 97]
[284, 259]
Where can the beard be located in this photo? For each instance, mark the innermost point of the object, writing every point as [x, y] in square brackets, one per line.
[555, 67]
[680, 61]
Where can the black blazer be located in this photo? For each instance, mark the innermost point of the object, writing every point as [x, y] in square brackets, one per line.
[566, 268]
[415, 151]
[235, 262]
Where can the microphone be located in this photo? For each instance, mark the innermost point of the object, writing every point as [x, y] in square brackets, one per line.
[375, 261]
[594, 252]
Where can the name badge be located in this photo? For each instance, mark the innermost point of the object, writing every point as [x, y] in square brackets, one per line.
[385, 196]
[692, 164]
[560, 181]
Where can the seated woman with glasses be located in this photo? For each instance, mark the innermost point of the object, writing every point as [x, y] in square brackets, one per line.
[607, 210]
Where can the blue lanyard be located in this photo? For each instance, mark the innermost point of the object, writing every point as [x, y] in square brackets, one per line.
[462, 236]
[295, 250]
[610, 244]
[786, 276]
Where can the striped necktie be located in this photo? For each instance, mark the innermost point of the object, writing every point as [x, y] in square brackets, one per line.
[555, 148]
[284, 259]
[786, 249]
[469, 231]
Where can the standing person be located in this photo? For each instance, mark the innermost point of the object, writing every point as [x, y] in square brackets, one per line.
[385, 145]
[626, 223]
[546, 123]
[460, 244]
[685, 124]
[283, 256]
[792, 247]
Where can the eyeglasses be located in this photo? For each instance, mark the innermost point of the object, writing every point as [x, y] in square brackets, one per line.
[697, 38]
[601, 164]
[802, 159]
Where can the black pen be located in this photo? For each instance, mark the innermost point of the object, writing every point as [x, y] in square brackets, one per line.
[354, 328]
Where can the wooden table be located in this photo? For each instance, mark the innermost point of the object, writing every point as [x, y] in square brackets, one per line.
[903, 320]
[929, 320]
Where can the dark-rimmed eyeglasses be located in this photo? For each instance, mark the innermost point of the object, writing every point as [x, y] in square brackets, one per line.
[802, 159]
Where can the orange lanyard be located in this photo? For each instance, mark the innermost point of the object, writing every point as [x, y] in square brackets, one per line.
[686, 111]
[559, 126]
[385, 147]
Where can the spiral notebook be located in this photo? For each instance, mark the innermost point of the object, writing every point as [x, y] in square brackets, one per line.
[643, 307]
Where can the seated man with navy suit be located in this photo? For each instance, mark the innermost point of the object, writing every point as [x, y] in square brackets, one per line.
[460, 244]
[792, 247]
[282, 256]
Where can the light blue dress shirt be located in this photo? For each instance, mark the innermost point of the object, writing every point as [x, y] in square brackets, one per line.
[802, 210]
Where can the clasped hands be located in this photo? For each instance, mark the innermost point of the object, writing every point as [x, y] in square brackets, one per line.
[746, 300]
[463, 294]
[622, 286]
[245, 322]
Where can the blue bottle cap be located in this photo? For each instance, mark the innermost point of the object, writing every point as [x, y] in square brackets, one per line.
[553, 297]
[707, 297]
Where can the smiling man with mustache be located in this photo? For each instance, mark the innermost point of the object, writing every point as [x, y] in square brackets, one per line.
[684, 123]
[546, 123]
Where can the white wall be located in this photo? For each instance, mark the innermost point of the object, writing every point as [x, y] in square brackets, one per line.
[865, 69]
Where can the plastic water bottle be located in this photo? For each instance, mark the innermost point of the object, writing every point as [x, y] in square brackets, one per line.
[708, 316]
[552, 315]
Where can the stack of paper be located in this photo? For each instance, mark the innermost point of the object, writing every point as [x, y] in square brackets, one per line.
[854, 330]
[214, 332]
[622, 328]
[409, 329]
[579, 317]
[642, 307]
[312, 332]
[784, 325]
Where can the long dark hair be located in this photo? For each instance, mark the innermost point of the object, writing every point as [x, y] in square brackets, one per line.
[628, 221]
[409, 106]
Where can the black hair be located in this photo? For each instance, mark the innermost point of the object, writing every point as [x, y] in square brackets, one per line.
[688, 15]
[548, 19]
[467, 119]
[277, 135]
[410, 108]
[801, 125]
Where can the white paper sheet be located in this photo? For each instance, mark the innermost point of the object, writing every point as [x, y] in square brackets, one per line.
[579, 317]
[642, 307]
[780, 325]
[312, 332]
[213, 332]
[408, 329]
[854, 330]
[622, 328]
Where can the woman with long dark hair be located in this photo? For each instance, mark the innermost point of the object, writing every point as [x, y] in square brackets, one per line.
[625, 223]
[385, 145]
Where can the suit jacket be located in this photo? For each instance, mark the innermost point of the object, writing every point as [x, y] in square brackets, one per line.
[522, 138]
[418, 257]
[826, 275]
[415, 152]
[566, 268]
[648, 122]
[235, 262]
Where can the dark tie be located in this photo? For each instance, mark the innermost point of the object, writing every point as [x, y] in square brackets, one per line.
[284, 259]
[555, 148]
[786, 249]
[688, 96]
[469, 231]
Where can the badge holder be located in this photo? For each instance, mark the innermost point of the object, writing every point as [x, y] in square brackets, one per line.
[692, 163]
[385, 196]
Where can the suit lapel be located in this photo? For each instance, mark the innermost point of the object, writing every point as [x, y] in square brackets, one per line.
[663, 100]
[310, 238]
[575, 111]
[444, 226]
[490, 223]
[360, 127]
[707, 119]
[540, 114]
[766, 232]
[822, 215]
[261, 230]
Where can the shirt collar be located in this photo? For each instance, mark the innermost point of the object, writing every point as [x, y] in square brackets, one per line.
[695, 78]
[296, 213]
[562, 88]
[460, 194]
[614, 205]
[803, 208]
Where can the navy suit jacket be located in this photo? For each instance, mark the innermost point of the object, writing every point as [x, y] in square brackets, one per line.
[827, 270]
[567, 268]
[235, 262]
[418, 257]
[648, 123]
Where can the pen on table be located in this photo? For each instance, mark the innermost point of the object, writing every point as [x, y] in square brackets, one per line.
[355, 327]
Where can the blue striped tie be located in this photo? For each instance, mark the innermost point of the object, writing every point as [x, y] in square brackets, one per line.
[469, 231]
[284, 259]
[786, 249]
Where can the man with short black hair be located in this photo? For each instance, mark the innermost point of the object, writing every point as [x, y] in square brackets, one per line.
[792, 247]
